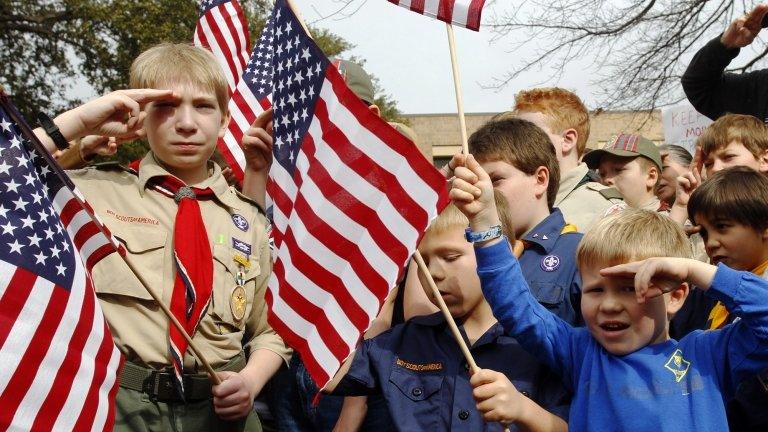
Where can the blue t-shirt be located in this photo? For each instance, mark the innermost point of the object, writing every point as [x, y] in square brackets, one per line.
[420, 370]
[670, 386]
[549, 267]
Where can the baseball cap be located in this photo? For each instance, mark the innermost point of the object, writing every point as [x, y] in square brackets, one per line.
[625, 145]
[357, 79]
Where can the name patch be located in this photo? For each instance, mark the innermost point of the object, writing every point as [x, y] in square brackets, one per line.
[241, 246]
[419, 367]
[133, 219]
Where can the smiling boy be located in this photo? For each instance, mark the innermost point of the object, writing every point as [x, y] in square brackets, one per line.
[626, 372]
[183, 229]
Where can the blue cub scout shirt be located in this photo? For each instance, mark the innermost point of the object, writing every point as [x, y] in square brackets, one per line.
[549, 267]
[420, 370]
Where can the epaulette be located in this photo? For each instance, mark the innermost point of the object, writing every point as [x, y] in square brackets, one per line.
[611, 193]
[250, 201]
[113, 166]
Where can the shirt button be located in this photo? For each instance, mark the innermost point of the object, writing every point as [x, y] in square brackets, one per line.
[466, 366]
[463, 415]
[416, 392]
[525, 393]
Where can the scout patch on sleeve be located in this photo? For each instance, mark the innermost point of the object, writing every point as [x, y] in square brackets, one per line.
[419, 367]
[241, 246]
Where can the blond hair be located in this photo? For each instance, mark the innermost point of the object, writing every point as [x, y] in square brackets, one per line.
[562, 108]
[632, 235]
[745, 129]
[451, 218]
[168, 63]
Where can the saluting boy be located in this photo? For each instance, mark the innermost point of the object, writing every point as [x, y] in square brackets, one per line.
[185, 230]
[419, 367]
[627, 374]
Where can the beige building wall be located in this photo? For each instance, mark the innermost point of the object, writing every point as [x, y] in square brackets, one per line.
[440, 132]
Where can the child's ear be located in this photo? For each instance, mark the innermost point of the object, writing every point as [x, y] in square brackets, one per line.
[653, 176]
[762, 160]
[224, 124]
[570, 138]
[677, 298]
[542, 180]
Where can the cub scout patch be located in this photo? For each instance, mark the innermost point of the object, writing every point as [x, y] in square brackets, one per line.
[419, 367]
[550, 263]
[678, 365]
[240, 222]
[241, 246]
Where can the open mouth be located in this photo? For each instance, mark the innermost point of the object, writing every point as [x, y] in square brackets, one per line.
[718, 258]
[614, 326]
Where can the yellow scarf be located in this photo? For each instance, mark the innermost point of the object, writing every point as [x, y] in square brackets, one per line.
[719, 314]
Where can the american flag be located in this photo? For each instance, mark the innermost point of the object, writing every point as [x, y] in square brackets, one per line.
[59, 362]
[464, 13]
[223, 30]
[351, 199]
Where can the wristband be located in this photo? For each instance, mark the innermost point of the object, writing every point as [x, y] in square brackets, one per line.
[479, 236]
[53, 131]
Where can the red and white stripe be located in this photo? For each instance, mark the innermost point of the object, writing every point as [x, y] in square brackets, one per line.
[344, 225]
[59, 361]
[463, 13]
[224, 31]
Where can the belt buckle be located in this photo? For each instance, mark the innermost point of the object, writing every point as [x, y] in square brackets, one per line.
[152, 385]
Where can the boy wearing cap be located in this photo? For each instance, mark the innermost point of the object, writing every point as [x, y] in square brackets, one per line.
[565, 119]
[632, 164]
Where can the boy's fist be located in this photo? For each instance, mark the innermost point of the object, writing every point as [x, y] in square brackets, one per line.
[497, 398]
[472, 192]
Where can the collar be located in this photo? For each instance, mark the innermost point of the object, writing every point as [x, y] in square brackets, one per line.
[150, 167]
[760, 270]
[438, 320]
[652, 205]
[546, 233]
[570, 181]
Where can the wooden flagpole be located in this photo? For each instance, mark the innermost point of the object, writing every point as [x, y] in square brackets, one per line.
[457, 88]
[26, 130]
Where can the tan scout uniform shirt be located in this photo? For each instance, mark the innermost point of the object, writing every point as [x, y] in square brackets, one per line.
[143, 219]
[583, 205]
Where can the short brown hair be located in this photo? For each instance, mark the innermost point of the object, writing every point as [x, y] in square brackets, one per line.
[564, 110]
[168, 63]
[521, 144]
[617, 239]
[745, 129]
[736, 193]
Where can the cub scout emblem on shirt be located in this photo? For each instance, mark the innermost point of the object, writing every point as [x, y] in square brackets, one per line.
[678, 365]
[240, 222]
[419, 367]
[550, 263]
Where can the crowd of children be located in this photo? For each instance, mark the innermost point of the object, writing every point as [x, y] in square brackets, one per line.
[572, 274]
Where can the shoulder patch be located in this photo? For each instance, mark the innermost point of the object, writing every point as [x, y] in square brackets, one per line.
[611, 194]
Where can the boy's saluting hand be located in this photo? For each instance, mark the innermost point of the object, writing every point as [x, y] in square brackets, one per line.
[656, 276]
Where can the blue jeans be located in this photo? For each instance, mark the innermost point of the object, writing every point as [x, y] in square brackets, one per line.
[291, 404]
